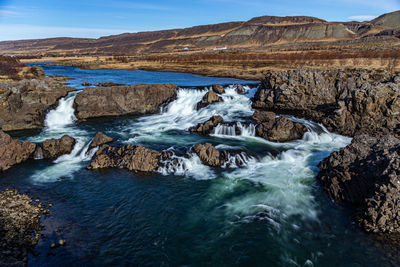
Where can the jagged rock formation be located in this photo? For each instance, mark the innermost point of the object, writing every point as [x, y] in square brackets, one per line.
[131, 157]
[123, 100]
[13, 152]
[209, 98]
[100, 139]
[211, 156]
[349, 102]
[366, 174]
[277, 129]
[208, 126]
[54, 148]
[24, 104]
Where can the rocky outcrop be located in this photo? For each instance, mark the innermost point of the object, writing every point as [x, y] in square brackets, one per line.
[366, 174]
[100, 139]
[349, 102]
[24, 104]
[108, 84]
[217, 88]
[131, 157]
[208, 126]
[86, 84]
[211, 156]
[277, 129]
[209, 98]
[54, 148]
[13, 152]
[123, 100]
[19, 226]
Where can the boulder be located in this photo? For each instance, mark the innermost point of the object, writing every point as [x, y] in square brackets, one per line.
[350, 102]
[208, 126]
[24, 104]
[277, 129]
[100, 139]
[366, 175]
[210, 156]
[86, 84]
[209, 98]
[240, 89]
[123, 100]
[284, 130]
[13, 151]
[54, 148]
[131, 157]
[219, 89]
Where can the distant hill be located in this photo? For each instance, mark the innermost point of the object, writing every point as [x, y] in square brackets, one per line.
[257, 33]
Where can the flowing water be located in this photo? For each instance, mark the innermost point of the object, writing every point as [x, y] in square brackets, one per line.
[262, 208]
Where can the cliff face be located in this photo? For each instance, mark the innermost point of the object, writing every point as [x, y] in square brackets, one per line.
[255, 33]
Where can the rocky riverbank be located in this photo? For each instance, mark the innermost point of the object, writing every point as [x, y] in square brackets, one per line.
[24, 104]
[364, 104]
[19, 226]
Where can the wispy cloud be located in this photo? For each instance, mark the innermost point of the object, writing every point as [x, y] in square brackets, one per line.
[361, 17]
[9, 13]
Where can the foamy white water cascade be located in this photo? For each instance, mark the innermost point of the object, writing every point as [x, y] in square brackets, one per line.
[287, 177]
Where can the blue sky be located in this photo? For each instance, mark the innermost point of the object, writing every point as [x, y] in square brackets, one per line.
[27, 19]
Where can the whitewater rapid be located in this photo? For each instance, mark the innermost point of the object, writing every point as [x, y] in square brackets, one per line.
[286, 178]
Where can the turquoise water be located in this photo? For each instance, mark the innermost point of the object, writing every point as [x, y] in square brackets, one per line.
[268, 212]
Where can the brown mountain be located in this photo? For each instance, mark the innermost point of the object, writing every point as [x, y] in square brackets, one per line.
[257, 33]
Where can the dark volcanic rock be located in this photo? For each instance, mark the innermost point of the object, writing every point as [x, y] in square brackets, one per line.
[349, 102]
[219, 89]
[123, 100]
[54, 148]
[24, 104]
[275, 129]
[107, 84]
[264, 116]
[208, 126]
[19, 224]
[131, 157]
[100, 139]
[209, 98]
[210, 156]
[366, 174]
[13, 152]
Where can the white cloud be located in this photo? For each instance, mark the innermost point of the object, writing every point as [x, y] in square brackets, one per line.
[22, 31]
[361, 17]
[9, 13]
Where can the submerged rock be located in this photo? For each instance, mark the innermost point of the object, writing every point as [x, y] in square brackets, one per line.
[131, 157]
[208, 126]
[350, 102]
[211, 156]
[19, 223]
[13, 151]
[123, 100]
[209, 98]
[100, 139]
[366, 174]
[277, 129]
[54, 148]
[24, 104]
[219, 89]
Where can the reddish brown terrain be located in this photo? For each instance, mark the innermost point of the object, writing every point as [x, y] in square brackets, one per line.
[244, 49]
